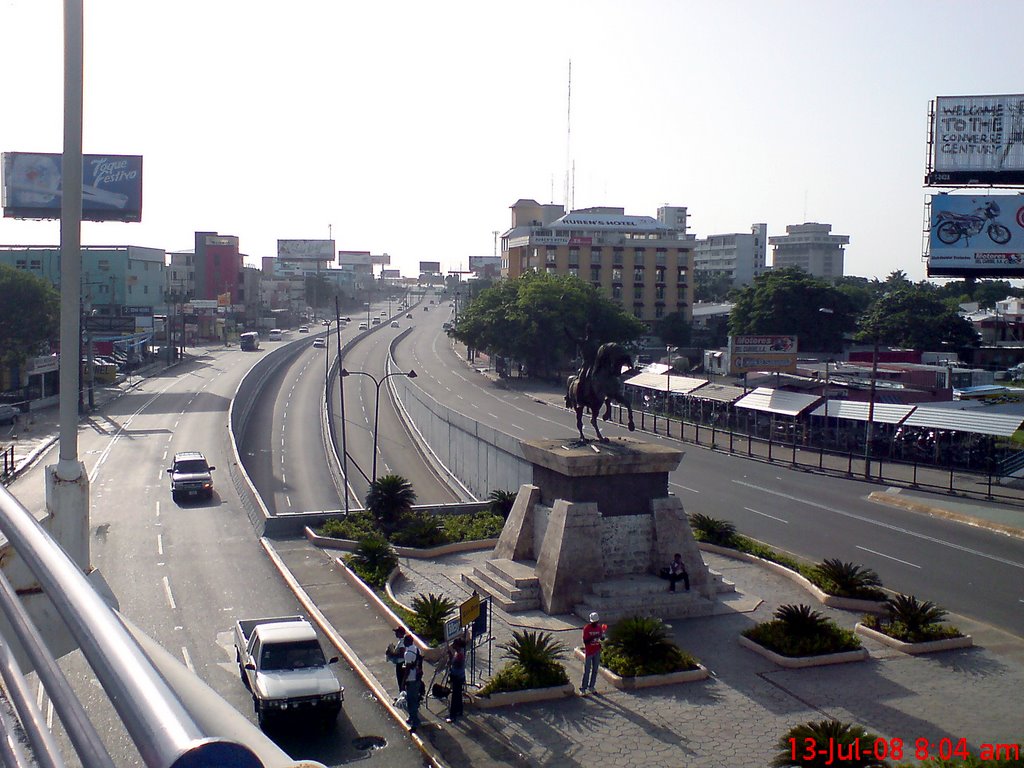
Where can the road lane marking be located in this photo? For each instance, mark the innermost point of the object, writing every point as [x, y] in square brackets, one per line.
[188, 660]
[888, 557]
[880, 524]
[685, 488]
[167, 591]
[288, 500]
[159, 545]
[765, 514]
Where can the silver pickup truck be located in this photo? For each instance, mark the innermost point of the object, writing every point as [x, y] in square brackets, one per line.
[281, 663]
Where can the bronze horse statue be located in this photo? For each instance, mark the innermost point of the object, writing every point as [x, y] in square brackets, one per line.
[602, 387]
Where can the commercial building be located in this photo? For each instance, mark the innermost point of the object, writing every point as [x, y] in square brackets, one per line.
[811, 247]
[638, 261]
[738, 255]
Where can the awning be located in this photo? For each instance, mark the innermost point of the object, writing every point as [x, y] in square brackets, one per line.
[977, 420]
[777, 401]
[719, 393]
[681, 385]
[856, 410]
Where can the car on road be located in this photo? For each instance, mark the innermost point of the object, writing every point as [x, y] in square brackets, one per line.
[394, 323]
[408, 315]
[275, 335]
[376, 321]
[191, 475]
[303, 329]
[363, 326]
[320, 343]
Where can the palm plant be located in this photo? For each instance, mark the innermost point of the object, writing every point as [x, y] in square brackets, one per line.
[535, 652]
[419, 530]
[430, 612]
[388, 499]
[800, 620]
[846, 579]
[641, 645]
[373, 559]
[501, 501]
[918, 617]
[713, 530]
[810, 745]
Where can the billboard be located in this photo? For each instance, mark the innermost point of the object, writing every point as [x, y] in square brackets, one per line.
[354, 258]
[430, 267]
[976, 235]
[391, 274]
[305, 250]
[976, 140]
[111, 186]
[767, 352]
[380, 258]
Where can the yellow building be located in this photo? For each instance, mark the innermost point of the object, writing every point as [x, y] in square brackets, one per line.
[640, 262]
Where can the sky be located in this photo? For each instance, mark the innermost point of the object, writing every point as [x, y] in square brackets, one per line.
[410, 128]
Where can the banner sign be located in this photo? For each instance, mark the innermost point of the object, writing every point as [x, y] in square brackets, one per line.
[762, 353]
[432, 267]
[305, 250]
[111, 186]
[976, 235]
[977, 140]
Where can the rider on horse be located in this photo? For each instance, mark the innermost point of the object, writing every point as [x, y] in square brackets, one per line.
[587, 348]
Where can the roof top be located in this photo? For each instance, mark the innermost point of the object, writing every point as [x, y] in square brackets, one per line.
[776, 401]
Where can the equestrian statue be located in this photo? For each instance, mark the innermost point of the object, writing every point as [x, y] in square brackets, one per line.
[598, 382]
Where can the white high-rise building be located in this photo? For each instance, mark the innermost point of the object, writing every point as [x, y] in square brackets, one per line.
[811, 247]
[739, 255]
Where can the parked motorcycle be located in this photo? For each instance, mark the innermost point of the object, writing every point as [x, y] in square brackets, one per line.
[950, 226]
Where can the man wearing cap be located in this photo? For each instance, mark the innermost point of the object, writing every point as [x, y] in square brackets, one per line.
[593, 634]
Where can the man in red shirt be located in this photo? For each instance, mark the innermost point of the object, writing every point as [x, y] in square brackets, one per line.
[593, 634]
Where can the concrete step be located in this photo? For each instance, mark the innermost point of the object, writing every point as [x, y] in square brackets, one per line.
[502, 602]
[667, 605]
[496, 583]
[519, 574]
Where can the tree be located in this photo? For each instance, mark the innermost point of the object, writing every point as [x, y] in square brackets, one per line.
[674, 329]
[914, 316]
[527, 318]
[29, 315]
[790, 301]
[390, 497]
[711, 286]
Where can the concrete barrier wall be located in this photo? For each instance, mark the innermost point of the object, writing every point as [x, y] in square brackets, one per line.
[481, 457]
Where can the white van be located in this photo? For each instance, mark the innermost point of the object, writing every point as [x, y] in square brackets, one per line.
[274, 335]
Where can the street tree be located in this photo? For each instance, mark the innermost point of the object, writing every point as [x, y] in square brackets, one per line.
[711, 286]
[916, 317]
[531, 319]
[29, 315]
[674, 329]
[791, 301]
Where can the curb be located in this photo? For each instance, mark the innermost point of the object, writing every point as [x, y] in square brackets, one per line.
[893, 500]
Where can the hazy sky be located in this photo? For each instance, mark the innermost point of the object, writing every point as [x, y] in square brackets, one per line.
[411, 127]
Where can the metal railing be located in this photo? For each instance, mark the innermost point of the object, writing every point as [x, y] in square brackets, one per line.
[172, 717]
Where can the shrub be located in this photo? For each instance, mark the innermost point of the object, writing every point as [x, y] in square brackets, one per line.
[912, 621]
[418, 529]
[826, 737]
[500, 502]
[799, 631]
[847, 580]
[373, 560]
[801, 620]
[640, 645]
[534, 661]
[712, 530]
[354, 526]
[429, 614]
[471, 527]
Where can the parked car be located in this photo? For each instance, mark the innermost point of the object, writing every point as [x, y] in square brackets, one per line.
[282, 664]
[191, 475]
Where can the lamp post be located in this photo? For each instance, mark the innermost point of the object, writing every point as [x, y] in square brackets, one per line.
[376, 405]
[668, 378]
[871, 411]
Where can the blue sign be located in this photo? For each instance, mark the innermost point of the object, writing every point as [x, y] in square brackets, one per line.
[111, 186]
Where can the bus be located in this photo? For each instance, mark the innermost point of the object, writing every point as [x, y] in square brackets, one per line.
[249, 342]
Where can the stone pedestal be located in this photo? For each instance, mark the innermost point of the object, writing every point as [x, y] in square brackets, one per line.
[597, 525]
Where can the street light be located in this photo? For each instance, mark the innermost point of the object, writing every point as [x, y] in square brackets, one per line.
[668, 380]
[376, 405]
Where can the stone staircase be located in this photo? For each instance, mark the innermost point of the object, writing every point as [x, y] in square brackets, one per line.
[647, 595]
[512, 585]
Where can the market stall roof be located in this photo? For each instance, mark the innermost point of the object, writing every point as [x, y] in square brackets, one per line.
[856, 410]
[978, 420]
[681, 385]
[777, 401]
[720, 393]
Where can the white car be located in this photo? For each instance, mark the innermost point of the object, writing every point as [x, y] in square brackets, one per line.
[394, 323]
[320, 343]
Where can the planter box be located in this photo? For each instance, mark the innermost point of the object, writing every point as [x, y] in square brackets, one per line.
[931, 646]
[648, 681]
[832, 601]
[800, 662]
[521, 697]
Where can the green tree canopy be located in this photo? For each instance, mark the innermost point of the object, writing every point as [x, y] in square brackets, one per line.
[674, 329]
[790, 301]
[915, 316]
[527, 319]
[711, 286]
[29, 315]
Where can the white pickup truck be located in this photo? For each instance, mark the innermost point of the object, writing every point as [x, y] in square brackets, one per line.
[281, 663]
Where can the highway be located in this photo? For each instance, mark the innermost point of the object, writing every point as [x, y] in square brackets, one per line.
[184, 573]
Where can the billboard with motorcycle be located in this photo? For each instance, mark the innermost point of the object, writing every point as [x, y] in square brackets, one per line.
[976, 235]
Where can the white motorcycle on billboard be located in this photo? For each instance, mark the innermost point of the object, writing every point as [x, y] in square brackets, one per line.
[950, 226]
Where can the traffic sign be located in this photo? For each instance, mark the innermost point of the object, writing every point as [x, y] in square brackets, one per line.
[469, 610]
